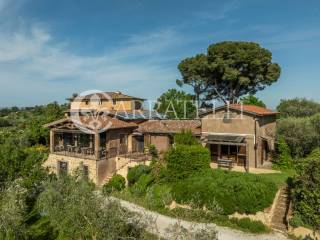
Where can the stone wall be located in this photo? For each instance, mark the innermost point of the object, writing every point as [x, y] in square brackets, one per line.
[73, 164]
[263, 216]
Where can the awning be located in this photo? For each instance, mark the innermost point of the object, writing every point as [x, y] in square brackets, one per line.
[137, 134]
[225, 138]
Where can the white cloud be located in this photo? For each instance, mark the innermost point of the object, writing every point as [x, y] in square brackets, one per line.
[3, 4]
[218, 13]
[33, 64]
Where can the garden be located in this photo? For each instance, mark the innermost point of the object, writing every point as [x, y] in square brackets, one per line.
[298, 152]
[201, 194]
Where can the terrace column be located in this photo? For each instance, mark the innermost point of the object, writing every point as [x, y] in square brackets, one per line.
[51, 140]
[129, 143]
[97, 145]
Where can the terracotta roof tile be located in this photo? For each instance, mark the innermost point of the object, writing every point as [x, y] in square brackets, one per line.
[253, 109]
[101, 122]
[105, 96]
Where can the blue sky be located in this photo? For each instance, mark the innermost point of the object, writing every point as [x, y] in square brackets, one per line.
[52, 48]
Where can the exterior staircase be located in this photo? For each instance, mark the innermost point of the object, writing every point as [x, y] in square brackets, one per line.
[132, 160]
[279, 218]
[138, 157]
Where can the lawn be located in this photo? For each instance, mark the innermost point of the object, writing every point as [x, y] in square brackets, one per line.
[279, 178]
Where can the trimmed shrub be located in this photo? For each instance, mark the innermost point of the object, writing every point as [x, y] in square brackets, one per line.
[116, 183]
[159, 195]
[185, 137]
[234, 192]
[184, 160]
[140, 187]
[135, 173]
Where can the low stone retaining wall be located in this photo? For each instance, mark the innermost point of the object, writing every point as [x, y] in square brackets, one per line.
[263, 216]
[73, 164]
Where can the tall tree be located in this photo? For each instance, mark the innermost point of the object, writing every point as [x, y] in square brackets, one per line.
[298, 107]
[230, 70]
[194, 73]
[176, 104]
[252, 100]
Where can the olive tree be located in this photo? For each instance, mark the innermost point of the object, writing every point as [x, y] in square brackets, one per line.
[12, 211]
[78, 212]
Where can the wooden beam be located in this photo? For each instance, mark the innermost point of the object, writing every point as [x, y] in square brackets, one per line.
[70, 131]
[227, 143]
[51, 140]
[97, 145]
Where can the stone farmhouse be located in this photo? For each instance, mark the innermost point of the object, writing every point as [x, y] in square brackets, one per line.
[103, 132]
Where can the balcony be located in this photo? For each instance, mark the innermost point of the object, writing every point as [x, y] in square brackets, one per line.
[80, 152]
[89, 152]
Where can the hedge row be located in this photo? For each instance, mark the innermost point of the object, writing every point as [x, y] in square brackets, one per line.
[184, 160]
[234, 192]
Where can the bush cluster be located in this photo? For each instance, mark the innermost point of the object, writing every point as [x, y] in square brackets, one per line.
[306, 190]
[135, 173]
[116, 183]
[234, 192]
[140, 187]
[159, 196]
[184, 160]
[185, 137]
[284, 159]
[153, 151]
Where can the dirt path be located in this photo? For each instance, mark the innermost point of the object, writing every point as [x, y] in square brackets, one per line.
[161, 223]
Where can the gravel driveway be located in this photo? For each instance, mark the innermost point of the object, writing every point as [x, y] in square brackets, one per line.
[160, 224]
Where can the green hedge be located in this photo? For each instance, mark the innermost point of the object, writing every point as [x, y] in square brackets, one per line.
[135, 173]
[184, 160]
[234, 192]
[305, 190]
[116, 183]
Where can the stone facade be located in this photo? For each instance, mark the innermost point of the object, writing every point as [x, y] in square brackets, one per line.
[73, 164]
[257, 130]
[161, 141]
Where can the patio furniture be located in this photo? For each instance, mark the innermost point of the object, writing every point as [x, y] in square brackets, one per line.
[227, 163]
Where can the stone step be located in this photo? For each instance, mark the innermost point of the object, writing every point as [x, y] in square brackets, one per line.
[278, 221]
[280, 229]
[283, 207]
